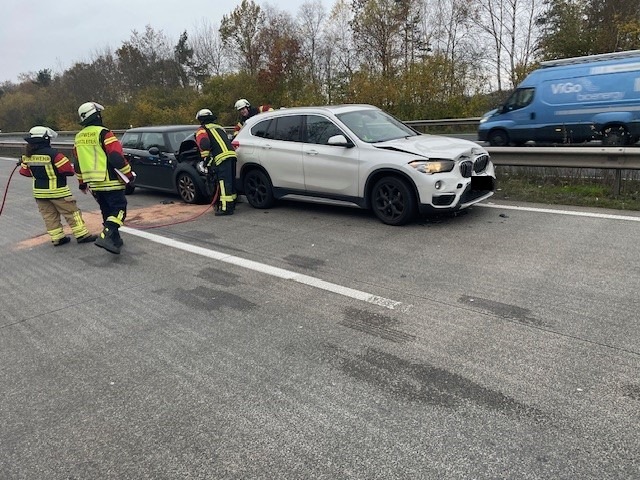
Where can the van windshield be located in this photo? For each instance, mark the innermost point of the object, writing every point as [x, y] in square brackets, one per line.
[519, 99]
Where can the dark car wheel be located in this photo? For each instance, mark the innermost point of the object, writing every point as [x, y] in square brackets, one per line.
[258, 189]
[188, 189]
[498, 138]
[615, 136]
[393, 201]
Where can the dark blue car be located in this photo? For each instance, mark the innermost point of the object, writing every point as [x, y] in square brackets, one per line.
[155, 156]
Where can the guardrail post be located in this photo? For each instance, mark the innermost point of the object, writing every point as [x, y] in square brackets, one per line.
[617, 183]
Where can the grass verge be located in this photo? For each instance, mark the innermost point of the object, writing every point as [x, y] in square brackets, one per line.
[568, 187]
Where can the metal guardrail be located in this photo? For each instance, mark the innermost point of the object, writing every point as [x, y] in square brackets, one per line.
[444, 122]
[618, 159]
[608, 158]
[69, 135]
[614, 158]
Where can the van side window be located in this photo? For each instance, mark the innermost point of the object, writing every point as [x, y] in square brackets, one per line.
[519, 99]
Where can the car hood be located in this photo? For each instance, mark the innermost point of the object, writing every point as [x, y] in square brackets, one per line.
[431, 146]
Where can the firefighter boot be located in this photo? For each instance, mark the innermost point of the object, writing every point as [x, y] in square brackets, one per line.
[62, 241]
[88, 238]
[108, 240]
[117, 239]
[229, 211]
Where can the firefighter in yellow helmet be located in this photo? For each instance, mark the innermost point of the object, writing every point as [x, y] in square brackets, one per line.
[218, 154]
[104, 171]
[49, 169]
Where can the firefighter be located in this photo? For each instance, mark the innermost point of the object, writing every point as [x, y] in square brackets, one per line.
[218, 154]
[246, 111]
[49, 169]
[103, 170]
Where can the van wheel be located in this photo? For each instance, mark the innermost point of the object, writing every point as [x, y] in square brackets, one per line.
[615, 136]
[498, 138]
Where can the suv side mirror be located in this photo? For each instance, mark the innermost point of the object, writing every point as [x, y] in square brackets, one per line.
[339, 141]
[154, 151]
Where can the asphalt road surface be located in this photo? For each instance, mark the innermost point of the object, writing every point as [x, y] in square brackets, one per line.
[313, 342]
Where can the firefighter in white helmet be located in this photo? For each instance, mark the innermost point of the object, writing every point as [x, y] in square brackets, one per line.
[218, 154]
[246, 111]
[103, 169]
[49, 169]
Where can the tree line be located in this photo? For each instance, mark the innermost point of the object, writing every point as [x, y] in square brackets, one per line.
[417, 59]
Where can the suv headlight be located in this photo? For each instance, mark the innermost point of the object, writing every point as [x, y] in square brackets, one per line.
[433, 166]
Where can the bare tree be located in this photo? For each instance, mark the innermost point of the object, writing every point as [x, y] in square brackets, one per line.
[510, 26]
[311, 19]
[209, 55]
[339, 55]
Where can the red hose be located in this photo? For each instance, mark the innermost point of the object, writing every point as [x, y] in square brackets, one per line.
[4, 197]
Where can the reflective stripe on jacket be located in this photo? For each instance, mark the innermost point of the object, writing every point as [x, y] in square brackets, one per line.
[220, 150]
[48, 182]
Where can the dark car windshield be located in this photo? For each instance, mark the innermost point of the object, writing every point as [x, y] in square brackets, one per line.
[375, 126]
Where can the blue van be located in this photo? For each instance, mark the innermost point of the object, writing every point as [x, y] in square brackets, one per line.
[572, 100]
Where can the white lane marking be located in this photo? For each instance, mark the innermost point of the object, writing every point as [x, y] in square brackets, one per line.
[269, 270]
[562, 212]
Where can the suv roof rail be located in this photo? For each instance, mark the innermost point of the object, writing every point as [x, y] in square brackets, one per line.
[590, 58]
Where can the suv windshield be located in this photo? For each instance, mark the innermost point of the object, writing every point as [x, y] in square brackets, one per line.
[375, 126]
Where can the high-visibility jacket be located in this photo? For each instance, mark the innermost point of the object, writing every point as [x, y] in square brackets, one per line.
[99, 155]
[49, 169]
[214, 145]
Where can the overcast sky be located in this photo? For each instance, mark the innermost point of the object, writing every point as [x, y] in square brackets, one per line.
[57, 34]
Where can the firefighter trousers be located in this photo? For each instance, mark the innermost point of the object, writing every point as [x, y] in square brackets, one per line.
[226, 177]
[52, 209]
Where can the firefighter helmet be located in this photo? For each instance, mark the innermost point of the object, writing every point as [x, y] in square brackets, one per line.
[242, 103]
[203, 113]
[40, 132]
[87, 110]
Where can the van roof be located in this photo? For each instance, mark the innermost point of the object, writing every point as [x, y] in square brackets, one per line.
[591, 58]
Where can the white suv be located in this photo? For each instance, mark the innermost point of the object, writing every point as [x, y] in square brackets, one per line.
[362, 155]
